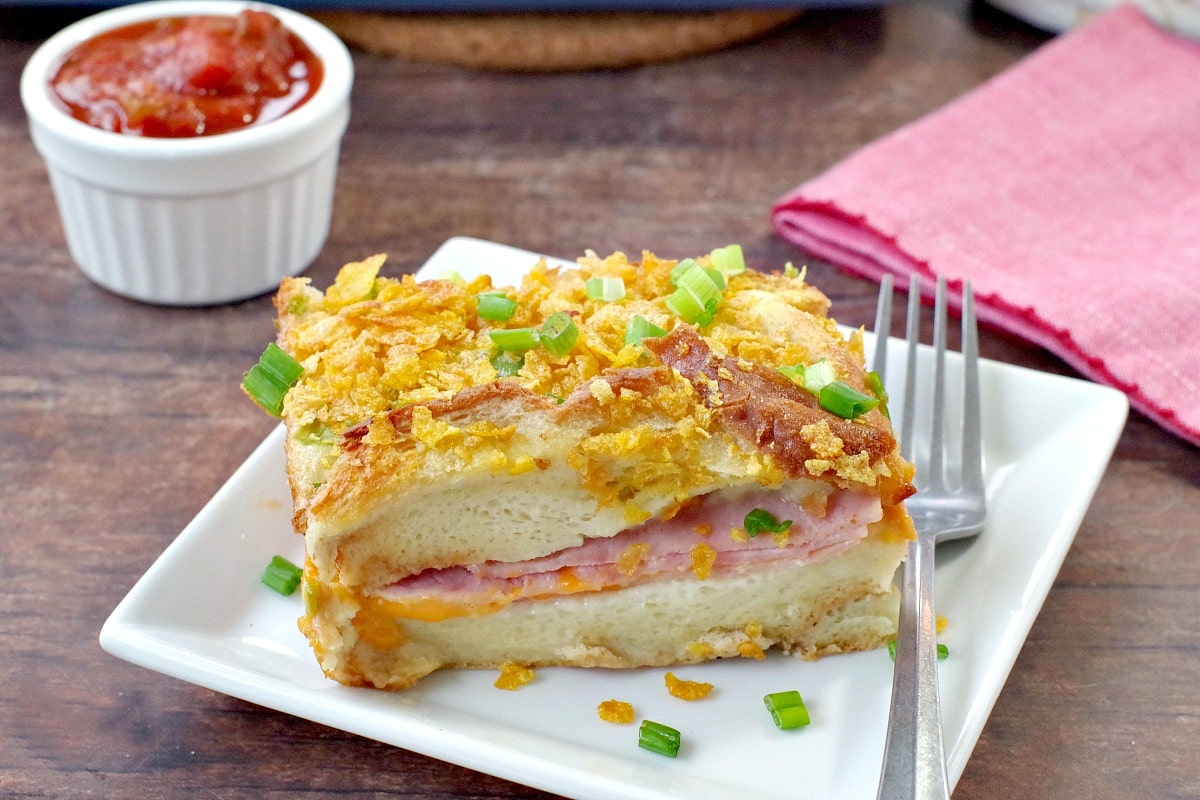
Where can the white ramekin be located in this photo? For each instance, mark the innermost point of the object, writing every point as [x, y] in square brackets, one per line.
[201, 220]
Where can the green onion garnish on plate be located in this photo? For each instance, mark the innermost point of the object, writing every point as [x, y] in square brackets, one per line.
[836, 397]
[696, 294]
[658, 738]
[507, 364]
[495, 306]
[268, 381]
[559, 333]
[762, 521]
[787, 709]
[640, 328]
[609, 290]
[845, 401]
[812, 378]
[875, 384]
[729, 259]
[943, 652]
[680, 268]
[282, 575]
[515, 340]
[717, 277]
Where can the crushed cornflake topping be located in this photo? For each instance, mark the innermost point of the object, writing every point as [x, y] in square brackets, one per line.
[832, 457]
[602, 391]
[823, 441]
[686, 690]
[615, 711]
[750, 649]
[513, 676]
[632, 558]
[521, 465]
[371, 344]
[703, 557]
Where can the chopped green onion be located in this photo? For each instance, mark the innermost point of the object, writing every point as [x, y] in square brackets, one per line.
[817, 376]
[787, 709]
[495, 306]
[729, 259]
[794, 374]
[845, 401]
[609, 290]
[813, 378]
[515, 340]
[268, 381]
[680, 268]
[557, 400]
[298, 305]
[836, 397]
[507, 364]
[282, 575]
[641, 328]
[316, 433]
[658, 738]
[452, 276]
[875, 384]
[762, 521]
[559, 333]
[696, 296]
[943, 652]
[717, 277]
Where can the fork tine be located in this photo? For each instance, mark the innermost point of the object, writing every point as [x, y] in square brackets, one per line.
[936, 473]
[972, 427]
[883, 326]
[912, 334]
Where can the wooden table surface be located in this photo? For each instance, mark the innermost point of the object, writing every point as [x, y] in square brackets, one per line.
[118, 421]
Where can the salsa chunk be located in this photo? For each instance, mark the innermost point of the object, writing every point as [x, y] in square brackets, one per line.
[188, 76]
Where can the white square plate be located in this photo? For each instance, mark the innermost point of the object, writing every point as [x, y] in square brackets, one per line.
[200, 614]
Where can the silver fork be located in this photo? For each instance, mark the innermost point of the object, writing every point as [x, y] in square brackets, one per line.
[949, 504]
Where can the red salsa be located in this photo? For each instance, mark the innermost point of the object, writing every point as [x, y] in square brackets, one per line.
[188, 76]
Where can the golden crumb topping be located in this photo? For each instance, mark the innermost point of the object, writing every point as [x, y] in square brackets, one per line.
[631, 559]
[371, 343]
[702, 557]
[615, 711]
[513, 676]
[686, 690]
[394, 365]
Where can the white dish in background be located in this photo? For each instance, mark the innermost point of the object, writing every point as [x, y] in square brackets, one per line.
[1057, 16]
[201, 615]
[192, 220]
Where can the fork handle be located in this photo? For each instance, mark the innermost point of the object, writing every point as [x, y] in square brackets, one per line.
[914, 759]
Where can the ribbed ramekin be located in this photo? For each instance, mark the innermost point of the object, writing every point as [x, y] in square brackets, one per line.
[200, 220]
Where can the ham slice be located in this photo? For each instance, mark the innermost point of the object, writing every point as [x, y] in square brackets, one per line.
[704, 539]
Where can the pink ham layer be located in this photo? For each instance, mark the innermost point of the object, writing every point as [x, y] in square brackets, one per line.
[593, 564]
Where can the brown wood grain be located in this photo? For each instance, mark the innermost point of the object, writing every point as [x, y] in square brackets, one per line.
[119, 420]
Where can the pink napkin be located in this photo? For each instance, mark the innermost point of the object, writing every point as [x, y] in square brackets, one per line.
[1066, 189]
